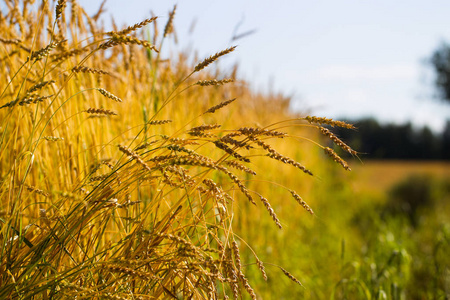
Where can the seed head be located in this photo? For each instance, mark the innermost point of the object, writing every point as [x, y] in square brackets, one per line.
[212, 58]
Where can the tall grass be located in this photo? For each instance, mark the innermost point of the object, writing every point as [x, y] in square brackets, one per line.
[120, 169]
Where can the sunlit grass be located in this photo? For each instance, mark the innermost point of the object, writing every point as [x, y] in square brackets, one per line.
[124, 174]
[127, 174]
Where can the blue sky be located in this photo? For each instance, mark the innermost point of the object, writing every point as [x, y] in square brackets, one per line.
[340, 59]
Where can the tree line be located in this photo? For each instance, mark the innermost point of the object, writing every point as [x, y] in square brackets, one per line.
[396, 141]
[392, 141]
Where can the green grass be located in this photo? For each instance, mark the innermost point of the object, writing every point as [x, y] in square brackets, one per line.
[358, 246]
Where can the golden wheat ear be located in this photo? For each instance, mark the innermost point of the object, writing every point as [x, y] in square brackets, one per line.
[168, 29]
[213, 82]
[212, 59]
[327, 121]
[219, 106]
[101, 111]
[109, 95]
[135, 27]
[337, 141]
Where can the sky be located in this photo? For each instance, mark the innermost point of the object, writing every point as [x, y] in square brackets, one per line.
[339, 59]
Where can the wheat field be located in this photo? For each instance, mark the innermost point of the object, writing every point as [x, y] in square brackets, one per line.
[125, 174]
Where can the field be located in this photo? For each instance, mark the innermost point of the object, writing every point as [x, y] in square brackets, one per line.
[129, 174]
[376, 175]
[369, 239]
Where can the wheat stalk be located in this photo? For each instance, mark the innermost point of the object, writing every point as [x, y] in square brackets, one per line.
[219, 106]
[101, 111]
[109, 95]
[135, 27]
[212, 58]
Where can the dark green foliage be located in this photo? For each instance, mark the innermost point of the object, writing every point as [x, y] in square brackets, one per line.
[406, 243]
[410, 195]
[440, 62]
[446, 141]
[391, 141]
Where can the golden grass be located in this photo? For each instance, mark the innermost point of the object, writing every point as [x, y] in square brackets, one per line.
[139, 203]
[377, 176]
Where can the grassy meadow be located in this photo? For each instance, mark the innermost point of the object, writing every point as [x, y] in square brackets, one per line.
[129, 174]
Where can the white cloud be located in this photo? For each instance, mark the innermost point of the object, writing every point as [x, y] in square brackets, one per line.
[358, 72]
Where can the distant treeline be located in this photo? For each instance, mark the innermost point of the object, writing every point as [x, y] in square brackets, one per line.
[393, 141]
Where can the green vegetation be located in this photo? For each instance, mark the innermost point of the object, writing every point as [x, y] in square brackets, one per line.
[361, 244]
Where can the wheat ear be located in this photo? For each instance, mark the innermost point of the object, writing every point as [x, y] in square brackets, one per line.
[213, 58]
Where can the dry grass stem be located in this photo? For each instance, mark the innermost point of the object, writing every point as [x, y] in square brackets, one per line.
[205, 127]
[213, 82]
[228, 139]
[330, 152]
[59, 8]
[251, 131]
[10, 41]
[271, 213]
[181, 149]
[237, 257]
[39, 86]
[58, 57]
[260, 265]
[134, 156]
[212, 58]
[331, 122]
[168, 29]
[37, 190]
[277, 156]
[230, 151]
[145, 145]
[122, 39]
[290, 161]
[201, 134]
[40, 54]
[135, 27]
[236, 165]
[290, 276]
[101, 111]
[79, 69]
[301, 201]
[27, 100]
[159, 122]
[99, 177]
[109, 95]
[219, 106]
[337, 141]
[53, 138]
[130, 272]
[240, 185]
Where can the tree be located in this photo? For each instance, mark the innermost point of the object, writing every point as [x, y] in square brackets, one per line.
[446, 141]
[440, 61]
